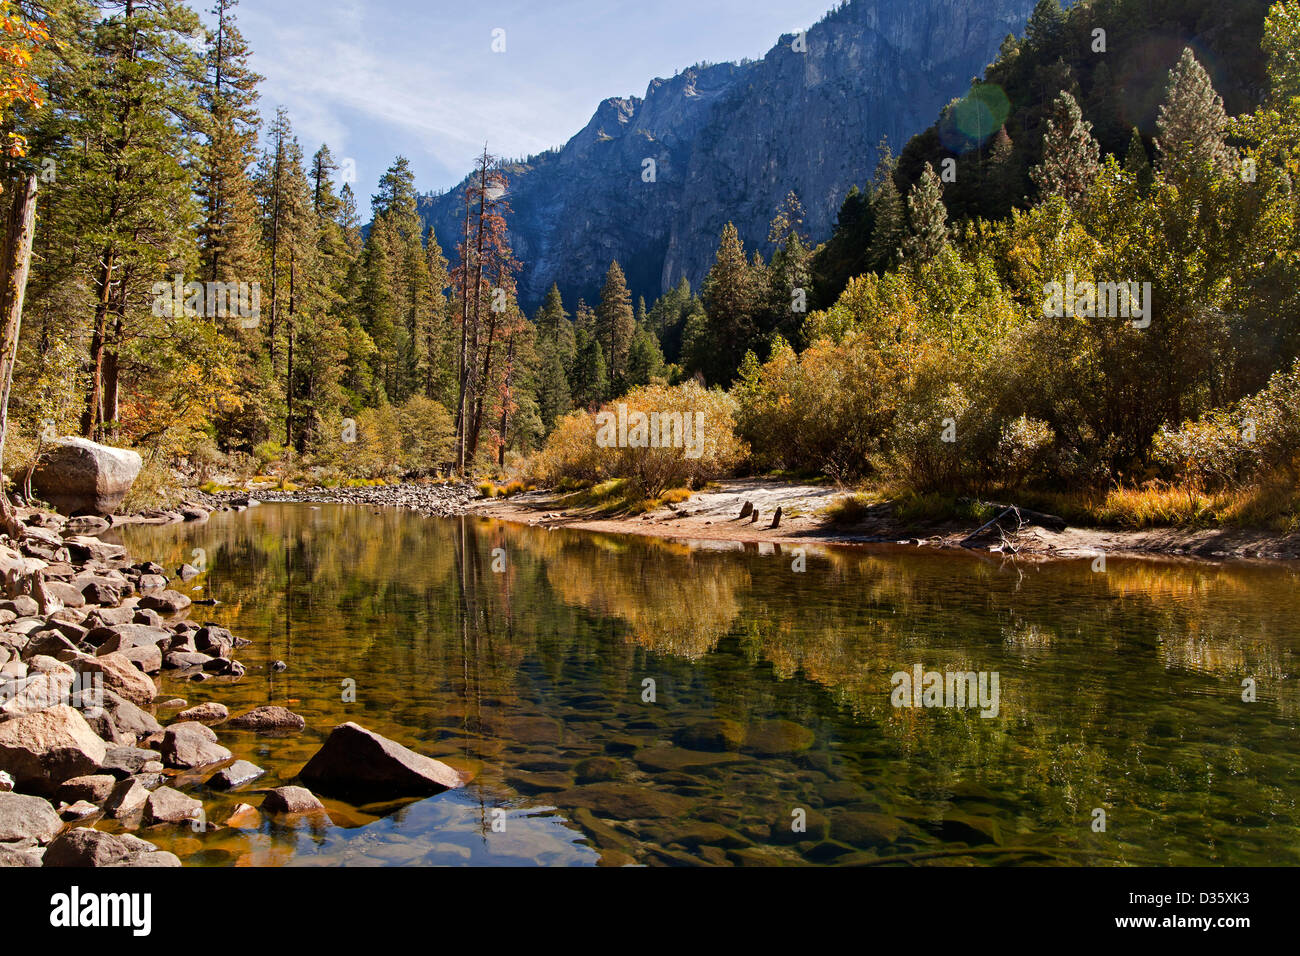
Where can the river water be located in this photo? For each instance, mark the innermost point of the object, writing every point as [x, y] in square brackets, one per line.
[628, 700]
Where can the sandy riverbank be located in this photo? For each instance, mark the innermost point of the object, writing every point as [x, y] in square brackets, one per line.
[713, 515]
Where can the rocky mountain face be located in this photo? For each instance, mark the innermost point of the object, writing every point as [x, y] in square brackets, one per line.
[729, 141]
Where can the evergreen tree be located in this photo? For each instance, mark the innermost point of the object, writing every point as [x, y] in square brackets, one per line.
[229, 236]
[1136, 161]
[731, 298]
[616, 323]
[927, 219]
[1071, 157]
[1192, 125]
[888, 214]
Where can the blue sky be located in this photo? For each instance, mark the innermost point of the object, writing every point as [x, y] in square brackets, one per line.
[375, 78]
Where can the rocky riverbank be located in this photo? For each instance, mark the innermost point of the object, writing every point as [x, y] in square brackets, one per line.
[90, 754]
[445, 500]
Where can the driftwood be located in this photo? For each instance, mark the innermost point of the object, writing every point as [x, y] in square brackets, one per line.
[1023, 517]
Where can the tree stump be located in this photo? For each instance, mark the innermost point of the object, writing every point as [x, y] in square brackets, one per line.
[747, 510]
[776, 519]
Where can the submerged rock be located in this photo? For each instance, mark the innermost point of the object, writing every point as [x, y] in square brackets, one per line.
[355, 761]
[291, 800]
[268, 719]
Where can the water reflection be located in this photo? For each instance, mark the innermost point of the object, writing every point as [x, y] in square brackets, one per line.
[523, 654]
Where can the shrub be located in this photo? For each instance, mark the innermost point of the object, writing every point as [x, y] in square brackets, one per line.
[586, 447]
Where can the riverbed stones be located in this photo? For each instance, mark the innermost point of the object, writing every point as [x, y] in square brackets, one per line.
[624, 801]
[44, 749]
[598, 770]
[268, 719]
[127, 798]
[166, 805]
[79, 476]
[776, 737]
[189, 744]
[291, 800]
[711, 735]
[209, 712]
[94, 787]
[24, 818]
[122, 762]
[82, 847]
[165, 602]
[121, 676]
[238, 774]
[355, 761]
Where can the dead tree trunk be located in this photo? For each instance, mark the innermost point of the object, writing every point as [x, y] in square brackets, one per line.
[15, 261]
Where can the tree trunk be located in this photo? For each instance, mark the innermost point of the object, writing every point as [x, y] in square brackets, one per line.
[15, 260]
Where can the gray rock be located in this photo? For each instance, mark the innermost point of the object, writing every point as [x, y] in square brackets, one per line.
[268, 719]
[18, 854]
[165, 602]
[84, 847]
[166, 805]
[236, 775]
[25, 817]
[189, 744]
[95, 788]
[291, 800]
[79, 476]
[357, 762]
[44, 749]
[122, 762]
[127, 798]
[210, 712]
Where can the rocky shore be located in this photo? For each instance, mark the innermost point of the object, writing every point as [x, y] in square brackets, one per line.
[432, 500]
[89, 752]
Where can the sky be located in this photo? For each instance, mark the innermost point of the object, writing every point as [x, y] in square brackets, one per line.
[377, 78]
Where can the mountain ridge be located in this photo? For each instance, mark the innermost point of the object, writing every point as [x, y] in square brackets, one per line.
[729, 140]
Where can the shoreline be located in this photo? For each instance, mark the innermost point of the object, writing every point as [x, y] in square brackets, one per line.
[712, 515]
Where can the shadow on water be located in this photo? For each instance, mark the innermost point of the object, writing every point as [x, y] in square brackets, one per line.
[524, 654]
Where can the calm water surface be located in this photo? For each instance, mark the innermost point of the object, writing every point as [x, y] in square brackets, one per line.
[1119, 691]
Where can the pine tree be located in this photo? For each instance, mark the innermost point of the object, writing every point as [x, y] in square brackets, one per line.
[888, 214]
[1071, 157]
[927, 219]
[1191, 125]
[1046, 25]
[229, 236]
[1136, 161]
[616, 322]
[731, 297]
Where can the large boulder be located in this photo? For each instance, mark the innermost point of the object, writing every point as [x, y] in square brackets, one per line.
[118, 674]
[189, 744]
[79, 476]
[44, 749]
[27, 818]
[357, 762]
[86, 847]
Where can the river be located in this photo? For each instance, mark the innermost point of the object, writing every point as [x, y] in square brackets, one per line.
[629, 700]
